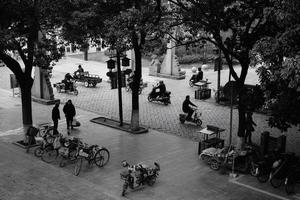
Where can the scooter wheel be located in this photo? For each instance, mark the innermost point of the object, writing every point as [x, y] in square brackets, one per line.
[199, 122]
[76, 92]
[191, 83]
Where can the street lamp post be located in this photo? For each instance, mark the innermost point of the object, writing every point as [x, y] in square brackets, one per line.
[119, 88]
[110, 66]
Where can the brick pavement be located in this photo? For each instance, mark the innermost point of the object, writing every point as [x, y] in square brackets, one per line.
[104, 101]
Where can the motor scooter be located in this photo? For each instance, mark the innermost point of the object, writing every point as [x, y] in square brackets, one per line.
[138, 175]
[195, 119]
[165, 98]
[61, 87]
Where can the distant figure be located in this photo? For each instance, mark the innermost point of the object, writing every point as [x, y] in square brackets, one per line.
[162, 89]
[80, 69]
[70, 112]
[67, 81]
[78, 72]
[249, 127]
[200, 74]
[155, 61]
[55, 117]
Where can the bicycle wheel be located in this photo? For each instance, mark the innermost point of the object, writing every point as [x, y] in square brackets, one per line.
[214, 164]
[262, 178]
[78, 165]
[289, 186]
[101, 157]
[276, 183]
[50, 154]
[38, 152]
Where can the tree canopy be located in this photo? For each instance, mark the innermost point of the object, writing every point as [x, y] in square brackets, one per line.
[28, 27]
[279, 60]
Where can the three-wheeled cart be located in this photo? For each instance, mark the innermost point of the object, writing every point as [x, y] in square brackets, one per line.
[89, 80]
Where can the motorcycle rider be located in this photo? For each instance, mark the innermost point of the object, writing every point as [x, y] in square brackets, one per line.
[67, 81]
[187, 109]
[199, 75]
[79, 71]
[162, 89]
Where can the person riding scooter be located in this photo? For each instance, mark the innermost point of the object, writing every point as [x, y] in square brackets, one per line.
[67, 81]
[78, 72]
[187, 109]
[162, 89]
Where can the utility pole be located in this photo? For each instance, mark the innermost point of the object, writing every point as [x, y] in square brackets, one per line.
[219, 74]
[119, 87]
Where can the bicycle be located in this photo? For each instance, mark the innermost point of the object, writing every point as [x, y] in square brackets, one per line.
[50, 152]
[69, 150]
[44, 137]
[36, 134]
[93, 154]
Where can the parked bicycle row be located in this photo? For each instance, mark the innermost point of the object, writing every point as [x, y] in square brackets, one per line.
[51, 146]
[277, 168]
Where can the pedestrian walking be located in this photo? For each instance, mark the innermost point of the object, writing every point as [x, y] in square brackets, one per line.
[249, 127]
[55, 116]
[70, 112]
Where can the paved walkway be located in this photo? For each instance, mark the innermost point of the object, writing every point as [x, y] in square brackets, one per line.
[104, 101]
[182, 176]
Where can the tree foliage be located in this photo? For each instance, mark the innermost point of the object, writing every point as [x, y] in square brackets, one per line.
[28, 27]
[233, 27]
[279, 60]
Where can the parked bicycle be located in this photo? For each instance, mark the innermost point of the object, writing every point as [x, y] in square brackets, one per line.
[69, 150]
[50, 152]
[93, 154]
[35, 134]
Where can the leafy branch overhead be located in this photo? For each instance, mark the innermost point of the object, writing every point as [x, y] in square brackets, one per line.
[279, 61]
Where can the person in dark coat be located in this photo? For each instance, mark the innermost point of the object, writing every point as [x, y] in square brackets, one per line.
[55, 116]
[70, 112]
[199, 75]
[187, 109]
[249, 127]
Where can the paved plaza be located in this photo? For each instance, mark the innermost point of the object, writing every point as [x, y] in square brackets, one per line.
[182, 175]
[104, 101]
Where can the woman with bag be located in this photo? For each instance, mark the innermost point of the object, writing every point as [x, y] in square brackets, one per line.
[70, 112]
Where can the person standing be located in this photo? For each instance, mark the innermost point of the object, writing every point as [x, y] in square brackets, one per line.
[249, 127]
[70, 112]
[55, 116]
[200, 74]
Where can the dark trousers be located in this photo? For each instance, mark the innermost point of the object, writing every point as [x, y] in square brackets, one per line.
[190, 113]
[248, 135]
[69, 120]
[55, 124]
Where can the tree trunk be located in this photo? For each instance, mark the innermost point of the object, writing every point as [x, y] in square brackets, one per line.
[241, 104]
[135, 89]
[26, 86]
[86, 53]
